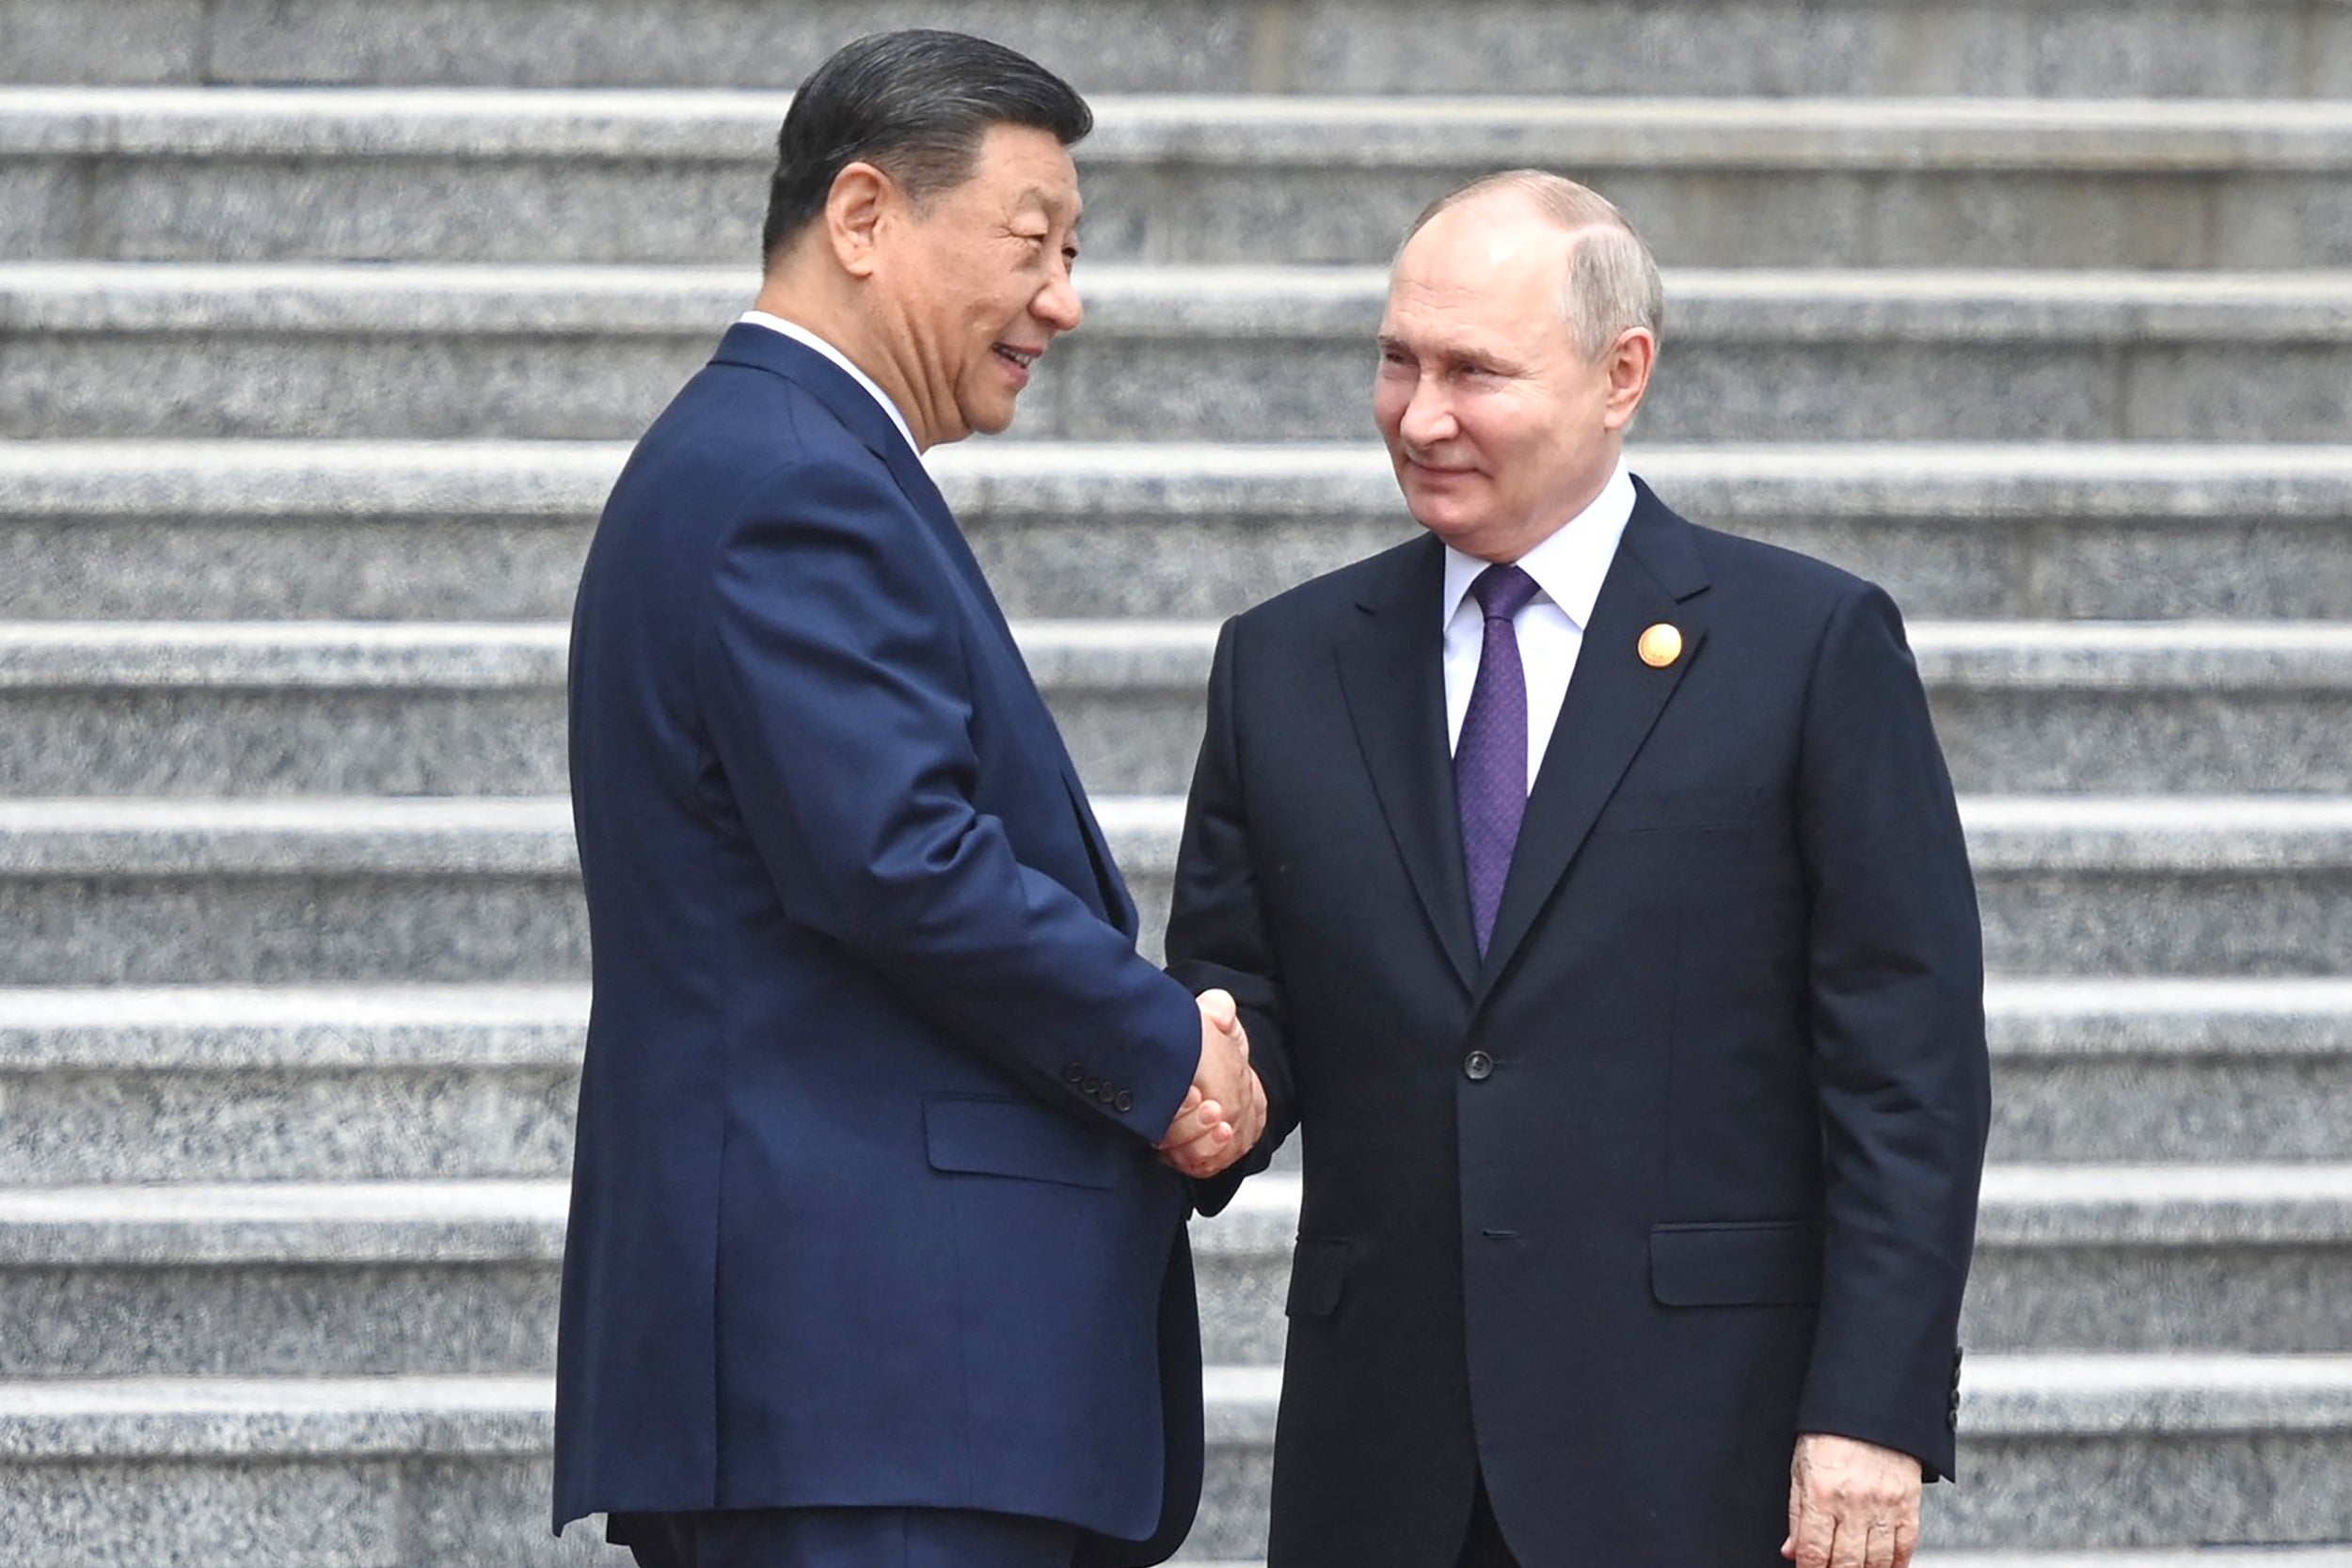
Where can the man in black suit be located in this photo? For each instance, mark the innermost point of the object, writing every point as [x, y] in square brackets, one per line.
[1593, 890]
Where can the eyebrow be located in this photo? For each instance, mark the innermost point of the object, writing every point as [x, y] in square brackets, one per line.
[1041, 198]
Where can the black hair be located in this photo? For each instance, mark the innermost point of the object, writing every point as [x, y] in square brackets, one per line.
[916, 104]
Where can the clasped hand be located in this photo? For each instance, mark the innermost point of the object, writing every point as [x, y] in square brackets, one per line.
[1224, 1114]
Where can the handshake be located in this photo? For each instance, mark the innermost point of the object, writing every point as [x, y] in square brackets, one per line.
[1224, 1115]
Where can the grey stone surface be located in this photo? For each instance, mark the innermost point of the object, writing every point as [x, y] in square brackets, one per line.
[159, 891]
[212, 1084]
[260, 1121]
[2150, 1489]
[148, 42]
[117, 1514]
[370, 1473]
[117, 1084]
[1124, 45]
[267, 708]
[224, 1028]
[2190, 1108]
[1777, 47]
[618, 177]
[491, 531]
[308, 1319]
[40, 200]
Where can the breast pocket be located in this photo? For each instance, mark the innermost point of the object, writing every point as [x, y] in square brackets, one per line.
[1735, 1263]
[1686, 810]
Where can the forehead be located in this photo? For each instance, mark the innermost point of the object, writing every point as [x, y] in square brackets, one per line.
[1477, 280]
[1020, 167]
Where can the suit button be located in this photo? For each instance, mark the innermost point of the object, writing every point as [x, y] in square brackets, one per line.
[1106, 1094]
[1478, 1066]
[1073, 1074]
[1089, 1086]
[1125, 1103]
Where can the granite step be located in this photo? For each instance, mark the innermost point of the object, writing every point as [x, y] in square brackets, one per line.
[1214, 353]
[215, 1085]
[2117, 1258]
[452, 174]
[355, 1279]
[274, 891]
[2162, 48]
[280, 1279]
[205, 708]
[494, 531]
[396, 1472]
[2061, 1452]
[2189, 1072]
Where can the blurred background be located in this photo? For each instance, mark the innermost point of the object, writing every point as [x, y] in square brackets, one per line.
[324, 325]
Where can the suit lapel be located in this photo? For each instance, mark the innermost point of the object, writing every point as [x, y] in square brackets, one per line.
[1119, 905]
[1613, 702]
[1394, 675]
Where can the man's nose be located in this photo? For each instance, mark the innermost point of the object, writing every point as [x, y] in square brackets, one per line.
[1428, 417]
[1058, 305]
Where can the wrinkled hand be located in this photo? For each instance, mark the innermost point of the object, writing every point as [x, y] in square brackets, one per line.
[1224, 1114]
[1850, 1504]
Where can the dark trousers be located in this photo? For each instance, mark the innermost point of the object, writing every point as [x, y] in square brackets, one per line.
[844, 1538]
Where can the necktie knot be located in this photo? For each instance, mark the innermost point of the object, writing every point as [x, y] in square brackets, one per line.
[1503, 592]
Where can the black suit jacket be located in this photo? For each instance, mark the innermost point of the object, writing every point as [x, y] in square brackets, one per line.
[1687, 1163]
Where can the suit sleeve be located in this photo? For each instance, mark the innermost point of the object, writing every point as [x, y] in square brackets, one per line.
[1217, 929]
[1897, 979]
[838, 698]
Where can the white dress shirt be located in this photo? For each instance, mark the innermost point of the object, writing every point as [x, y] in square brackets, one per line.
[801, 335]
[1567, 568]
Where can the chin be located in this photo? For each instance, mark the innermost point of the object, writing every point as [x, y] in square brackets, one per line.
[1446, 521]
[989, 422]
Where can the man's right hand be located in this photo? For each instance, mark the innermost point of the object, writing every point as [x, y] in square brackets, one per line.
[1224, 1115]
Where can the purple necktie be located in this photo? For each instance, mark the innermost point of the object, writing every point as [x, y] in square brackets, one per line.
[1490, 759]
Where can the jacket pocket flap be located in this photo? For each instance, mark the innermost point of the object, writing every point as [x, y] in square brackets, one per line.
[1737, 1264]
[1318, 1268]
[1652, 811]
[1015, 1138]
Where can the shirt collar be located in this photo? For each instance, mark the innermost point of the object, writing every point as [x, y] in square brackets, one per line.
[1571, 561]
[802, 336]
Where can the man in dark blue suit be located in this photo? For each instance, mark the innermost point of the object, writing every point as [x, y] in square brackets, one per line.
[1593, 890]
[877, 1255]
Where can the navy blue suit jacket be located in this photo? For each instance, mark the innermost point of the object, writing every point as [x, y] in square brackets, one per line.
[864, 1209]
[1688, 1162]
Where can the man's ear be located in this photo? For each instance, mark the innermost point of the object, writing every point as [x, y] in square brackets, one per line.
[856, 211]
[1629, 362]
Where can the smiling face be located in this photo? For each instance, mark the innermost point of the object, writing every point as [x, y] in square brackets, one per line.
[1500, 428]
[976, 282]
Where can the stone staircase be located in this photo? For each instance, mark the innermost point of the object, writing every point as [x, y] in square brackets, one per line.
[324, 325]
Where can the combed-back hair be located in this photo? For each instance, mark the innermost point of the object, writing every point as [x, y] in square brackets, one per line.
[916, 104]
[1612, 282]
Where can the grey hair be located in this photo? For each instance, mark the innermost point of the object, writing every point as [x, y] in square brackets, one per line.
[1611, 284]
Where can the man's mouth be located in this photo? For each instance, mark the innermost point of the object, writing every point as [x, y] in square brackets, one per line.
[1019, 358]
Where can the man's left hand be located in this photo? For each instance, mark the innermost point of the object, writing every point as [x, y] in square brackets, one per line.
[1850, 1504]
